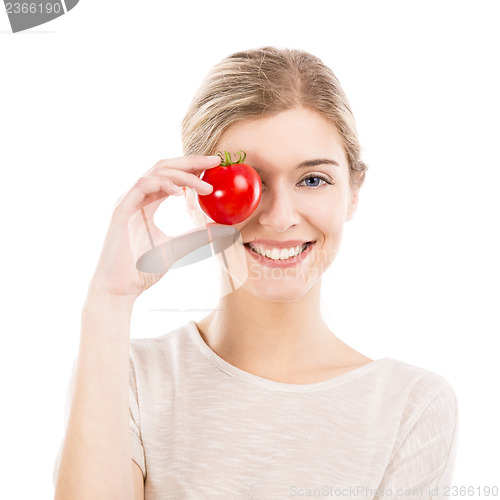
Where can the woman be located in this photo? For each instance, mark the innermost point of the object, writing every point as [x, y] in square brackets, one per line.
[259, 399]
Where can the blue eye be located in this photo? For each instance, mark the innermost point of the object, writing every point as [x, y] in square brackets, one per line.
[326, 180]
[320, 177]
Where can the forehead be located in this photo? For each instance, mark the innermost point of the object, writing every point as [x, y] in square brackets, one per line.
[290, 136]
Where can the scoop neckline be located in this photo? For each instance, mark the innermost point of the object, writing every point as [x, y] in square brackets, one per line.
[235, 372]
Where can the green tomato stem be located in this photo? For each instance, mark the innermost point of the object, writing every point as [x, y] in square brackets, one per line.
[226, 158]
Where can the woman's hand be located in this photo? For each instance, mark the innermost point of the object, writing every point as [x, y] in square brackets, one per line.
[116, 274]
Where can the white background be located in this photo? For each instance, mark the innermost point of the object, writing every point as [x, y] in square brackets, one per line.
[92, 100]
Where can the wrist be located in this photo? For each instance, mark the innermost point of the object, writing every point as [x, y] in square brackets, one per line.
[98, 298]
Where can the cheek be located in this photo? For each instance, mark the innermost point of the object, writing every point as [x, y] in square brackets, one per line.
[328, 218]
[326, 215]
[328, 221]
[241, 225]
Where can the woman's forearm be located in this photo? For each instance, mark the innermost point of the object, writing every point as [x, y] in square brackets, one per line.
[96, 456]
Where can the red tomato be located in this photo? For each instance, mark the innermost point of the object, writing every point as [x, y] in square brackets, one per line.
[236, 194]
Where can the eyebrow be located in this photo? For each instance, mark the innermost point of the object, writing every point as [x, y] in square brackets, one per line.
[318, 161]
[310, 163]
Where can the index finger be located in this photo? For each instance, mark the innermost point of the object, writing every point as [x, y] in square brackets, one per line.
[194, 164]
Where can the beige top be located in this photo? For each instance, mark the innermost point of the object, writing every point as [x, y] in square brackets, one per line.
[202, 428]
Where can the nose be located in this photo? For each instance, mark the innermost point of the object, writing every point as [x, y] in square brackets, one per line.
[278, 209]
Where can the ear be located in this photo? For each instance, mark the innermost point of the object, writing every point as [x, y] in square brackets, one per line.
[352, 204]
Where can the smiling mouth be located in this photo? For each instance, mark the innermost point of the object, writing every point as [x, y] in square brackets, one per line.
[305, 247]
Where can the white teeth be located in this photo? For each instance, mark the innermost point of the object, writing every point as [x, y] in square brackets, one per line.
[279, 254]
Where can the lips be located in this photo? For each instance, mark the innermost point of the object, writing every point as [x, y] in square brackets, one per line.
[278, 244]
[255, 243]
[290, 262]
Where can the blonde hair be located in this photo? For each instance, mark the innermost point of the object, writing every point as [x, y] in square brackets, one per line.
[264, 81]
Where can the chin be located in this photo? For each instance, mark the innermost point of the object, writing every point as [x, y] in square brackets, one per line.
[277, 291]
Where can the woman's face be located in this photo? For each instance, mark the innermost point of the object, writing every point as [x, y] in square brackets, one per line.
[293, 151]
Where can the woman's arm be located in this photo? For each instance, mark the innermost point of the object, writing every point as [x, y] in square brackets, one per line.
[96, 455]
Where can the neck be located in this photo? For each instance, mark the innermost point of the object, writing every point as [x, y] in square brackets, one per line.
[267, 338]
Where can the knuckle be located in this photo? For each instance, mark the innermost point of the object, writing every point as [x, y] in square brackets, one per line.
[159, 163]
[141, 182]
[157, 168]
[163, 170]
